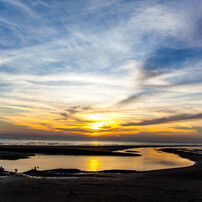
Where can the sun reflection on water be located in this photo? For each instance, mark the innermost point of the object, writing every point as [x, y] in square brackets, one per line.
[95, 143]
[93, 165]
[151, 159]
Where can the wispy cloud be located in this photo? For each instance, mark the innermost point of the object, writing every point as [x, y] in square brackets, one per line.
[134, 98]
[125, 58]
[23, 7]
[180, 117]
[73, 130]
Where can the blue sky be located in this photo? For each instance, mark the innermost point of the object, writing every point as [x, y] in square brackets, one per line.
[116, 63]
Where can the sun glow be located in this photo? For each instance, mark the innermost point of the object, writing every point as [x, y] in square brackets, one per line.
[96, 125]
[98, 121]
[98, 117]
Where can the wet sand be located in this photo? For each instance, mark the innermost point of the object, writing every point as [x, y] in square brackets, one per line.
[179, 184]
[16, 152]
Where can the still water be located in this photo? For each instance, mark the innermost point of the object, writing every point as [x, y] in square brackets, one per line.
[151, 159]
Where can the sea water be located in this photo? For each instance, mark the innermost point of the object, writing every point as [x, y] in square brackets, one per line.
[58, 142]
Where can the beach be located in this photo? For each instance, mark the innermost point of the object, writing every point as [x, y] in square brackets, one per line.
[178, 184]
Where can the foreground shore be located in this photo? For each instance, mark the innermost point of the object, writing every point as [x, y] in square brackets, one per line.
[179, 184]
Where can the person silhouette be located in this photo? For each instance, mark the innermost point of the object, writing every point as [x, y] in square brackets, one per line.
[1, 169]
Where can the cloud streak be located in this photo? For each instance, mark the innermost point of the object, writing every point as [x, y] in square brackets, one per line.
[180, 117]
[126, 59]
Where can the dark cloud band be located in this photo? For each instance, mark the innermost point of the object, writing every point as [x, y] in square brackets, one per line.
[180, 117]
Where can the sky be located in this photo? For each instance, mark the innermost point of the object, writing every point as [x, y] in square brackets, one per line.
[97, 69]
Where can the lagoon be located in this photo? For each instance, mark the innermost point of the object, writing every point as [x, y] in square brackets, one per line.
[150, 159]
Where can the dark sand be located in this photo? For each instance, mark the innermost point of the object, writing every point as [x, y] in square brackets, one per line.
[17, 152]
[179, 184]
[14, 152]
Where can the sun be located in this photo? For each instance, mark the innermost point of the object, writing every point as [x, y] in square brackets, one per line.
[96, 125]
[100, 121]
[97, 121]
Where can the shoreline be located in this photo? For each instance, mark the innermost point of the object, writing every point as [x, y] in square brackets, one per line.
[176, 184]
[15, 152]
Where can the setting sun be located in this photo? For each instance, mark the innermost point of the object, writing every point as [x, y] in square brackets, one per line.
[96, 125]
[119, 76]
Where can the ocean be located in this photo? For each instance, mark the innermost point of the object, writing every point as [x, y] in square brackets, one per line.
[62, 142]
